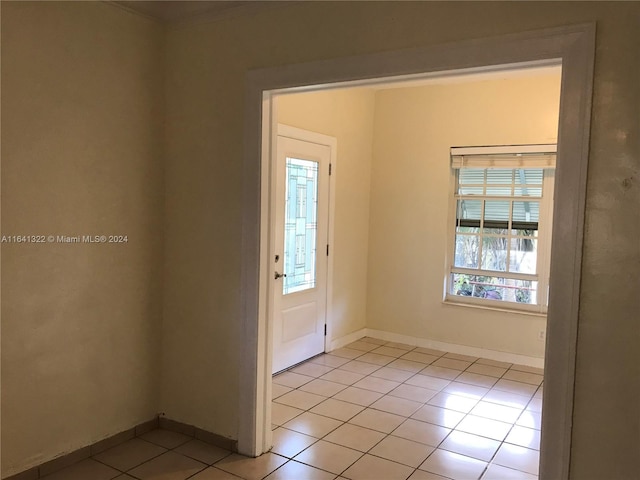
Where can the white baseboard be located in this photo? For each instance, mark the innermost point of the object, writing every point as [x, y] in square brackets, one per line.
[451, 347]
[436, 345]
[347, 339]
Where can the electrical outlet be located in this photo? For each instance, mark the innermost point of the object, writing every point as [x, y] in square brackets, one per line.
[541, 335]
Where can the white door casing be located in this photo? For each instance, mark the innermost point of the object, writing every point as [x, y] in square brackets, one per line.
[301, 218]
[574, 47]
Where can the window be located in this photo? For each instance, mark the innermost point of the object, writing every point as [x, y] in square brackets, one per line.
[501, 228]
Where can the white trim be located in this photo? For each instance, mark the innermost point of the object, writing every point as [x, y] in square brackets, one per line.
[574, 47]
[437, 345]
[305, 135]
[505, 149]
[545, 227]
[455, 348]
[331, 240]
[365, 71]
[503, 161]
[347, 339]
[496, 305]
[493, 273]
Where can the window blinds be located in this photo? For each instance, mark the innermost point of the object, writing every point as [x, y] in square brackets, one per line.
[504, 157]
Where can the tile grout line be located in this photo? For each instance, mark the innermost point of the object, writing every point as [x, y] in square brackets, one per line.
[344, 423]
[167, 449]
[443, 355]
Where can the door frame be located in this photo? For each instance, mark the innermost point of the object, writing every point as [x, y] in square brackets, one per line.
[279, 129]
[574, 47]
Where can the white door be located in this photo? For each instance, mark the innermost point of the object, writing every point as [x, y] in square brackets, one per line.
[300, 257]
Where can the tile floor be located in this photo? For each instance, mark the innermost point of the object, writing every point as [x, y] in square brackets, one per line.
[372, 410]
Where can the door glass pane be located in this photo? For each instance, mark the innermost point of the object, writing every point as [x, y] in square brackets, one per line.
[300, 225]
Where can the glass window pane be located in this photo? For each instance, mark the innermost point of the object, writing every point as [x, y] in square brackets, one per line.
[496, 214]
[525, 215]
[471, 176]
[494, 253]
[496, 210]
[528, 191]
[495, 288]
[502, 191]
[524, 232]
[469, 213]
[496, 231]
[470, 190]
[523, 256]
[466, 254]
[502, 176]
[300, 227]
[461, 284]
[525, 291]
[463, 229]
[529, 176]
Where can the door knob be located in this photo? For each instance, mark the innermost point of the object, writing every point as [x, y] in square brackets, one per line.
[279, 275]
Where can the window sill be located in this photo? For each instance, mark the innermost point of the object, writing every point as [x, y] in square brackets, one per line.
[455, 302]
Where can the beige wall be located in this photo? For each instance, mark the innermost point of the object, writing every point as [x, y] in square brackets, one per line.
[81, 154]
[348, 116]
[410, 195]
[207, 64]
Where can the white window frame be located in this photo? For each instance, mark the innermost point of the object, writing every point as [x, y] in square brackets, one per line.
[532, 156]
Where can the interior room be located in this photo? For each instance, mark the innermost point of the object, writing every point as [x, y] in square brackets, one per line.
[392, 195]
[125, 357]
[392, 168]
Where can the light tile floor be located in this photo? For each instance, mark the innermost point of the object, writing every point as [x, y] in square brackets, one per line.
[372, 410]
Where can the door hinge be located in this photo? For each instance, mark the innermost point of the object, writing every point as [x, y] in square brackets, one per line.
[325, 329]
[329, 169]
[327, 250]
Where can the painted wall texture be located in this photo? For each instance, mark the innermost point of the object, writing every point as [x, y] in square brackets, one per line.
[82, 118]
[346, 114]
[410, 199]
[84, 89]
[206, 67]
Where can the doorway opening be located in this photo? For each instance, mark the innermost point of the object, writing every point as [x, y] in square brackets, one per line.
[399, 170]
[573, 47]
